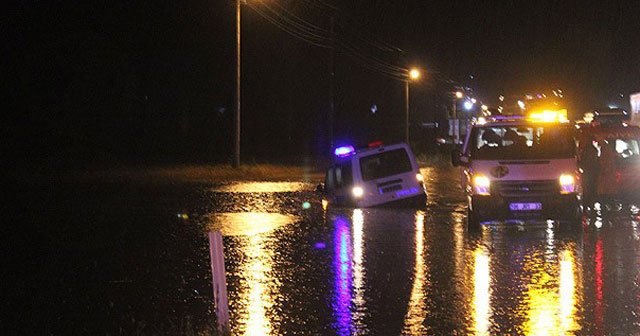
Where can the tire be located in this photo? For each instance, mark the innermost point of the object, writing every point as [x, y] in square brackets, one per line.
[473, 221]
[574, 218]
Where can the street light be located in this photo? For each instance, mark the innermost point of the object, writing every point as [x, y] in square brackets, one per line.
[468, 105]
[454, 127]
[413, 75]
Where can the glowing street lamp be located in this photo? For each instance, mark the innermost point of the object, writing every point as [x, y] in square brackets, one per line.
[413, 74]
[459, 94]
[468, 105]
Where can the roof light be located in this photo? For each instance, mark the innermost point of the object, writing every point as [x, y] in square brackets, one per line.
[375, 144]
[344, 151]
[549, 116]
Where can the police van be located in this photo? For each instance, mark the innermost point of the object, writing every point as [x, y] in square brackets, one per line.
[376, 175]
[521, 167]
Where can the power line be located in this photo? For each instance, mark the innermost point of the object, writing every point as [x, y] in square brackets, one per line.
[321, 5]
[303, 25]
[313, 39]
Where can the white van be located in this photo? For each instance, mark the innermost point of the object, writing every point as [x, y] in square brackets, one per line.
[520, 168]
[377, 175]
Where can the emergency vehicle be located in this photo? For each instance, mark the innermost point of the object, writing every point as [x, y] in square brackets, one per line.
[376, 175]
[521, 167]
[609, 152]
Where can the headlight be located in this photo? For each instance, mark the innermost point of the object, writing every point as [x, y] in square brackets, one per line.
[482, 185]
[357, 192]
[567, 184]
[419, 177]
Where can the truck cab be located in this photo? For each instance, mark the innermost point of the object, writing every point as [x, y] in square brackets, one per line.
[520, 167]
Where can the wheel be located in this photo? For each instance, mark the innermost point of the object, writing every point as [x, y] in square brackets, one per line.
[574, 217]
[473, 221]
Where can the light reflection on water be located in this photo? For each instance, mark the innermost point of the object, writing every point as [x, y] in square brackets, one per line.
[343, 254]
[248, 223]
[508, 281]
[263, 187]
[551, 296]
[257, 290]
[543, 277]
[417, 312]
[481, 291]
[256, 299]
[358, 269]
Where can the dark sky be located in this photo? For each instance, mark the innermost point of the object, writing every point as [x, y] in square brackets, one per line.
[154, 80]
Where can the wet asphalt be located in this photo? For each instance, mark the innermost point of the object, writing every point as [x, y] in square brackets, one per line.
[133, 258]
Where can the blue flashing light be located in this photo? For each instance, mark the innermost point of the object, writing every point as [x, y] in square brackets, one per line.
[344, 151]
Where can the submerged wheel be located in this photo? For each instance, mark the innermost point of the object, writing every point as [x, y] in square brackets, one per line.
[573, 216]
[473, 221]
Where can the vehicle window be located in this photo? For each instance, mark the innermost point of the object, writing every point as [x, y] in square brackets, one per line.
[626, 148]
[522, 142]
[385, 164]
[343, 175]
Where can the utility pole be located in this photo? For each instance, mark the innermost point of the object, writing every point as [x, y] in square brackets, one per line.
[331, 84]
[236, 154]
[406, 111]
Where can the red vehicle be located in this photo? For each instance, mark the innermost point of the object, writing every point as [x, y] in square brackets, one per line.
[609, 155]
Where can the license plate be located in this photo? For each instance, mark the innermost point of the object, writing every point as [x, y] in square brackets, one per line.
[525, 206]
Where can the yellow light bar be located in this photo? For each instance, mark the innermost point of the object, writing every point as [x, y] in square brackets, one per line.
[549, 116]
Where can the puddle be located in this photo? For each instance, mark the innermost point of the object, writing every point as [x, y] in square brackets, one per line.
[264, 187]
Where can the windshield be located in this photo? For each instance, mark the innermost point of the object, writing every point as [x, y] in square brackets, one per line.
[385, 164]
[522, 142]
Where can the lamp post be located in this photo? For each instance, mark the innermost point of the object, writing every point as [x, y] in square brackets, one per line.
[413, 75]
[236, 152]
[454, 126]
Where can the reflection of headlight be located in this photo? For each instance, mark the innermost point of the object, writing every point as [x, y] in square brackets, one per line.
[357, 192]
[419, 177]
[482, 185]
[567, 184]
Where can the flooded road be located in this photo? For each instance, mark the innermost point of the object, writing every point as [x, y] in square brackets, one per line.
[134, 259]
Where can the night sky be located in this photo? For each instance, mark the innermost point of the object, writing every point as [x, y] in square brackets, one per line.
[153, 81]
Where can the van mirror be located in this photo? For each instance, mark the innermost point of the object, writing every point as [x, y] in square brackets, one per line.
[458, 159]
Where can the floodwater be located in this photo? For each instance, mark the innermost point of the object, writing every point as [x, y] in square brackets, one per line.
[113, 258]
